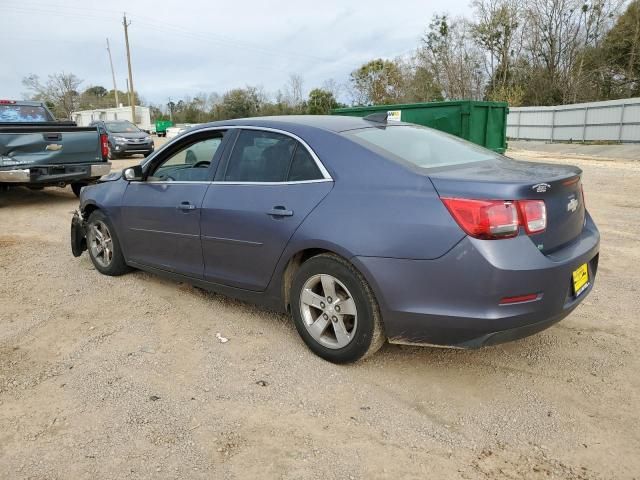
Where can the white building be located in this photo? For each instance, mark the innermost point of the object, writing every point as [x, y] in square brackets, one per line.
[143, 117]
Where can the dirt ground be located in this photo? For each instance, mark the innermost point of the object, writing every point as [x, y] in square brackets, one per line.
[125, 378]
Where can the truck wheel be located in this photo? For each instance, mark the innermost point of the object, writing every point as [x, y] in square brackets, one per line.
[335, 311]
[103, 245]
[77, 186]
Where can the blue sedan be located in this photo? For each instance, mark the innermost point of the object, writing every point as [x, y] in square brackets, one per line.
[363, 230]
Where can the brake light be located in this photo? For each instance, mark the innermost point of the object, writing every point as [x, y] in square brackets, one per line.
[534, 215]
[486, 219]
[104, 146]
[7, 102]
[496, 219]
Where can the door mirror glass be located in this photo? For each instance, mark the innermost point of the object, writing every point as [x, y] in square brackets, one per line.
[133, 173]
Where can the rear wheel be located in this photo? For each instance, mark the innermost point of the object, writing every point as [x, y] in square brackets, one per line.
[104, 247]
[335, 311]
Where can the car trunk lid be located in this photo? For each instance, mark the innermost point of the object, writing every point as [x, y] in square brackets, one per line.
[505, 179]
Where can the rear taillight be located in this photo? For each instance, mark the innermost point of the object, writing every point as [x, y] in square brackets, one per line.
[487, 219]
[104, 146]
[496, 219]
[533, 214]
[7, 102]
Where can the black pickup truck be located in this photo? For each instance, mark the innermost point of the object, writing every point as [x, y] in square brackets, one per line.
[37, 151]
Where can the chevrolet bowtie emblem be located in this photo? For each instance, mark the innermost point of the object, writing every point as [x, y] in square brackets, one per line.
[54, 147]
[572, 206]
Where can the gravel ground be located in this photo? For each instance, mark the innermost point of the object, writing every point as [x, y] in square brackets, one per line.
[125, 378]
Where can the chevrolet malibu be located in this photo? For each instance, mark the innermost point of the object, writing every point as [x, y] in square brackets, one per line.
[363, 230]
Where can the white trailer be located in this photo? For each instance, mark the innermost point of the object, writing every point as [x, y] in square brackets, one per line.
[143, 116]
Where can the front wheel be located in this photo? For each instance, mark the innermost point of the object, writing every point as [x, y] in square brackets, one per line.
[335, 311]
[103, 245]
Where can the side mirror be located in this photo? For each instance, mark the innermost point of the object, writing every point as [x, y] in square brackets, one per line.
[133, 173]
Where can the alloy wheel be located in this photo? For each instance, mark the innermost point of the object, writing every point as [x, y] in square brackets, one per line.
[329, 311]
[101, 243]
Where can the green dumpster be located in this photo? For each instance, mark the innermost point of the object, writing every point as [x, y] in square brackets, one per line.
[161, 127]
[484, 123]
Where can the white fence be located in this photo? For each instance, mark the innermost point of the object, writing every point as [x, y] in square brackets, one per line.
[612, 120]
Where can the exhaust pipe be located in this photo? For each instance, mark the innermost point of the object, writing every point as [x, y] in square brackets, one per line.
[62, 184]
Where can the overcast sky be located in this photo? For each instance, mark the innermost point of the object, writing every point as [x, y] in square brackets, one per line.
[185, 47]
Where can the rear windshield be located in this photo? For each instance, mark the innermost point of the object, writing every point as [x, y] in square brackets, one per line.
[419, 146]
[23, 113]
[121, 127]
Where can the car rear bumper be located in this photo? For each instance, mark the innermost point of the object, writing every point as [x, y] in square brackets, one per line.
[54, 174]
[455, 300]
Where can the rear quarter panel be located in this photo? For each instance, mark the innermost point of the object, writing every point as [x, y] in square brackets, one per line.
[377, 208]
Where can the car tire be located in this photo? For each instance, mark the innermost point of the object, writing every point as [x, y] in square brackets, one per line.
[76, 187]
[105, 253]
[324, 286]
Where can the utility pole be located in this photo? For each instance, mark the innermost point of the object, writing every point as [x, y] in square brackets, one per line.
[131, 94]
[113, 75]
[170, 109]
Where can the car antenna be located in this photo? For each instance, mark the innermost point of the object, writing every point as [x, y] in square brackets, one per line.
[378, 117]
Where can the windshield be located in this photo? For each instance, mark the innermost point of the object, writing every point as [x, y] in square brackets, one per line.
[23, 113]
[121, 127]
[419, 146]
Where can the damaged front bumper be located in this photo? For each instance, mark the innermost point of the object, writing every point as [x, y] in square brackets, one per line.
[78, 234]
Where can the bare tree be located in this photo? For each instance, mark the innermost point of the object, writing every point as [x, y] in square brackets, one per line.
[60, 90]
[497, 30]
[332, 86]
[453, 58]
[293, 91]
[596, 20]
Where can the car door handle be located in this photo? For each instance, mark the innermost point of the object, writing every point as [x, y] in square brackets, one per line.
[186, 206]
[280, 211]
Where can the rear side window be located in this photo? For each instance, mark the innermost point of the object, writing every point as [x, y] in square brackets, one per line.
[303, 167]
[260, 156]
[23, 113]
[419, 146]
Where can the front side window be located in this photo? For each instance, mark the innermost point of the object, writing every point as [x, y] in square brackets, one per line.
[260, 156]
[189, 164]
[419, 146]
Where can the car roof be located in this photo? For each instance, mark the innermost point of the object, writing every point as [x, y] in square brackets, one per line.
[332, 123]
